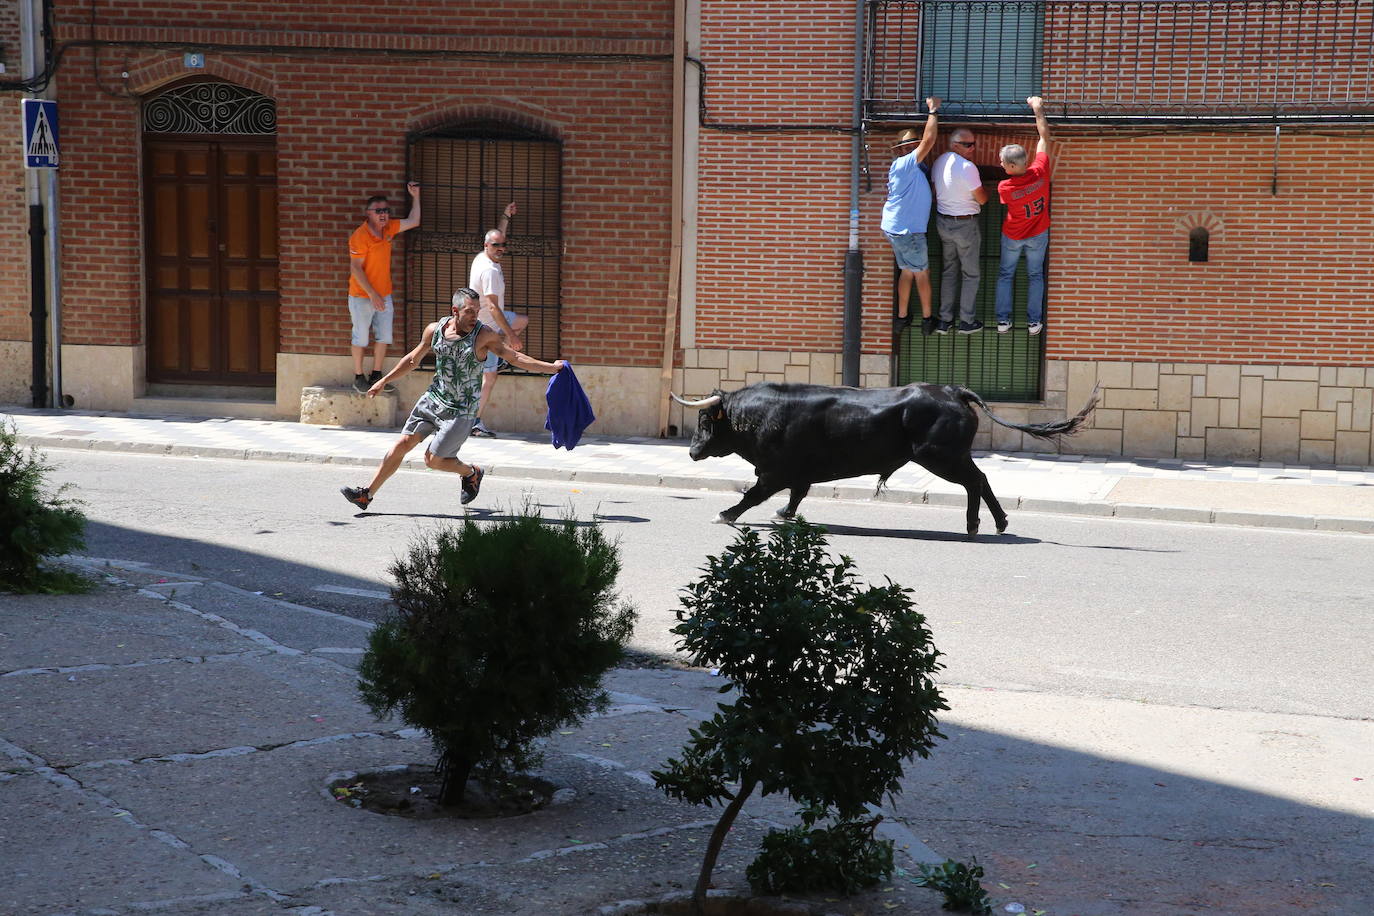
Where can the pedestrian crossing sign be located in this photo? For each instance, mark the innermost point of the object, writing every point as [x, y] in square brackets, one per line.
[40, 134]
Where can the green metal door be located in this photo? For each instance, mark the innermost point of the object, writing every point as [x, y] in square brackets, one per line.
[1002, 367]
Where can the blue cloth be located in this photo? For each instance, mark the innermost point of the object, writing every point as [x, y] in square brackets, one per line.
[907, 208]
[569, 410]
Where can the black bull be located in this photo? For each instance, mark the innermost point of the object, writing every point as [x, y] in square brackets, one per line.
[798, 435]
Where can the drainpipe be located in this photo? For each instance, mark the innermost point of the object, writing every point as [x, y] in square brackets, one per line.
[30, 43]
[52, 252]
[854, 257]
[675, 251]
[52, 255]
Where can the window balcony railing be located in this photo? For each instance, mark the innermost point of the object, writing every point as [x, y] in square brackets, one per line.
[1124, 61]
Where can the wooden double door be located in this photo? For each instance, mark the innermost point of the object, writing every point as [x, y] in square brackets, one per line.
[211, 260]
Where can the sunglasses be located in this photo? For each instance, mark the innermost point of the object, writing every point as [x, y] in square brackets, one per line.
[381, 209]
[497, 244]
[962, 143]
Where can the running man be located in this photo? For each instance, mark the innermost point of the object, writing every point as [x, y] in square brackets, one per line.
[448, 407]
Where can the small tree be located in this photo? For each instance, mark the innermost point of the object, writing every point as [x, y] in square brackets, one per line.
[502, 634]
[34, 524]
[834, 683]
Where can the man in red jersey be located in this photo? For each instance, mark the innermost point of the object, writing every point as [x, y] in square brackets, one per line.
[1026, 227]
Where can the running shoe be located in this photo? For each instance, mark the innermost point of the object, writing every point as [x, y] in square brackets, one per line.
[376, 377]
[472, 484]
[360, 383]
[928, 326]
[358, 496]
[970, 327]
[480, 431]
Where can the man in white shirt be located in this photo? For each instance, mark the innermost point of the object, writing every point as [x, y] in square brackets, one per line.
[959, 196]
[487, 278]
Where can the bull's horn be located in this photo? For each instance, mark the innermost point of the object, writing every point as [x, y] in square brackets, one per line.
[712, 401]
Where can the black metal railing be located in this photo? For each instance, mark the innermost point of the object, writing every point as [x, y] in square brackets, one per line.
[1124, 61]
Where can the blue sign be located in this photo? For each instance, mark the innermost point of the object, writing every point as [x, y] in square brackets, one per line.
[40, 134]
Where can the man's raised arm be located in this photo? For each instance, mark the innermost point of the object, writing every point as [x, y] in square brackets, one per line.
[932, 131]
[1042, 126]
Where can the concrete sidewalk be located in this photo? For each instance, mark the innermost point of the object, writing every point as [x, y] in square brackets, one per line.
[169, 742]
[1265, 494]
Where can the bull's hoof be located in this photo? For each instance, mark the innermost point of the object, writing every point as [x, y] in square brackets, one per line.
[972, 531]
[783, 513]
[723, 519]
[1002, 527]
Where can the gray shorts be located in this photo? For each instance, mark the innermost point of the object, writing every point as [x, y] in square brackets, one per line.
[910, 250]
[493, 361]
[450, 428]
[366, 318]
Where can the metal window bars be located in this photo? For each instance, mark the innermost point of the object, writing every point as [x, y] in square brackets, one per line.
[467, 176]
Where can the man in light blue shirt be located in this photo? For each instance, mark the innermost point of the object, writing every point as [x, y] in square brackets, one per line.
[906, 216]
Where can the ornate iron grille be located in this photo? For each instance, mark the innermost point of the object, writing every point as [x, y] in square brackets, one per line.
[210, 108]
[1132, 61]
[468, 174]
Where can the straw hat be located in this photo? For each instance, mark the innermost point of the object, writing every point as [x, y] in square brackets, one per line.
[905, 137]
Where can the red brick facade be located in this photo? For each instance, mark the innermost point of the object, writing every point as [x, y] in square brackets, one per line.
[596, 79]
[1285, 282]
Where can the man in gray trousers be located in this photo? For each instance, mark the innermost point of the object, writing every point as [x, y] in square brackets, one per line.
[959, 196]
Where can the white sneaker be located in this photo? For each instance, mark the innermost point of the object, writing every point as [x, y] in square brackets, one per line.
[1035, 327]
[1003, 327]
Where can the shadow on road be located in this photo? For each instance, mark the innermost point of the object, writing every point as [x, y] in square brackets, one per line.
[498, 515]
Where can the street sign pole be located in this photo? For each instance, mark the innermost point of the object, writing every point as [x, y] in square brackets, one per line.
[41, 159]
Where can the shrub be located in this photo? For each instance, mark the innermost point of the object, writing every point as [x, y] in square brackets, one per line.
[843, 857]
[961, 884]
[502, 634]
[834, 682]
[34, 524]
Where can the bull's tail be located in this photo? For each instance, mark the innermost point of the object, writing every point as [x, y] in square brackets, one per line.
[1039, 430]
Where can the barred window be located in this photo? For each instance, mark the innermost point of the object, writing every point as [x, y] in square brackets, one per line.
[469, 173]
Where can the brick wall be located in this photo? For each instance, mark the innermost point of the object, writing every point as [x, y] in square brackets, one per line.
[1286, 280]
[407, 22]
[773, 210]
[1287, 277]
[14, 240]
[11, 51]
[1251, 55]
[343, 117]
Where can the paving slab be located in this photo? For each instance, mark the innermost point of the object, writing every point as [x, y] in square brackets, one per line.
[293, 625]
[1149, 829]
[180, 707]
[114, 626]
[203, 802]
[63, 849]
[671, 686]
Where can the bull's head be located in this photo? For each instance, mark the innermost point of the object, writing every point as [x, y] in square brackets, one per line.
[712, 438]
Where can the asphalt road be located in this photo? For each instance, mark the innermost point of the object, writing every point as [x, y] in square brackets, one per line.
[1191, 615]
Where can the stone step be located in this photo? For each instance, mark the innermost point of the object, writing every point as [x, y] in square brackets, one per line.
[326, 406]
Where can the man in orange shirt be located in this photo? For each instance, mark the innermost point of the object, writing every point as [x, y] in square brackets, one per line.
[369, 281]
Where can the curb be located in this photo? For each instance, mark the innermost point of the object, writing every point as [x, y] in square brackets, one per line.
[897, 495]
